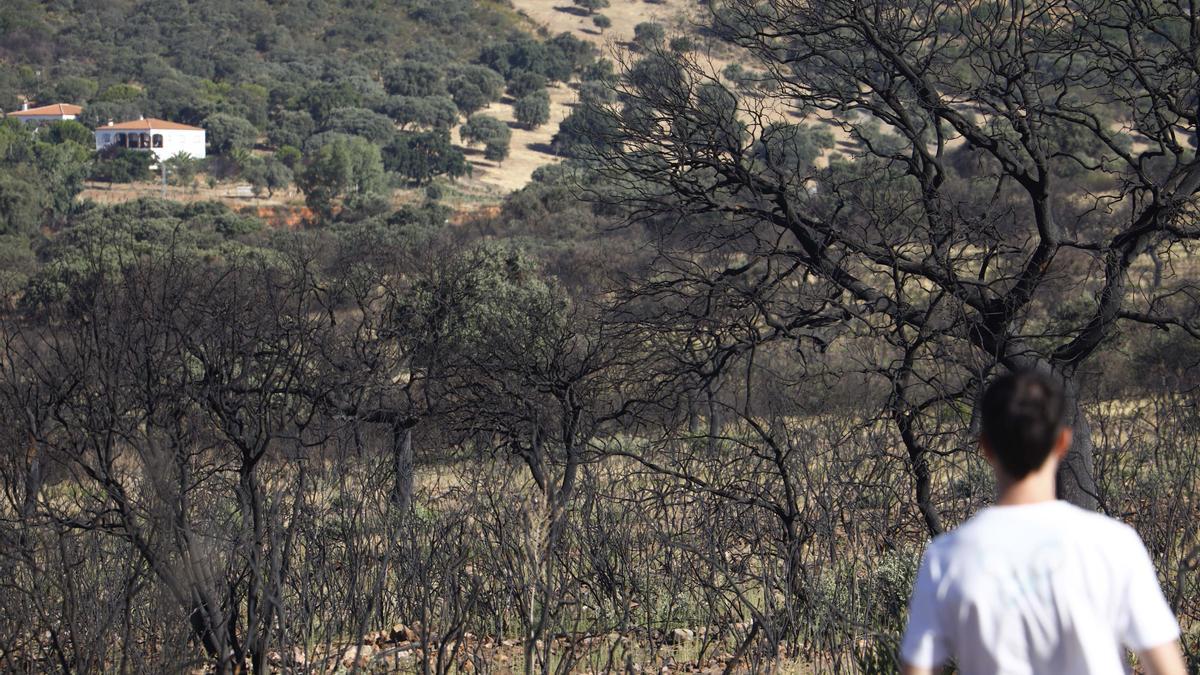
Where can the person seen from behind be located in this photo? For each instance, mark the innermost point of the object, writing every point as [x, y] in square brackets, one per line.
[1034, 585]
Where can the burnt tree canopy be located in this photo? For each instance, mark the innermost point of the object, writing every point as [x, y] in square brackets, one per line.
[1007, 179]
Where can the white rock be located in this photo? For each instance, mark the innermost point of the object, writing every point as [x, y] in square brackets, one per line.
[681, 636]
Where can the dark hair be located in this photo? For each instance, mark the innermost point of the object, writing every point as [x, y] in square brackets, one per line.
[1022, 418]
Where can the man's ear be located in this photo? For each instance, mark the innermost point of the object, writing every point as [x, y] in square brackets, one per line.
[1063, 444]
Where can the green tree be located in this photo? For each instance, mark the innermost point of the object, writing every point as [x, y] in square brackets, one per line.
[487, 130]
[591, 5]
[102, 112]
[323, 98]
[55, 170]
[266, 174]
[497, 148]
[524, 82]
[428, 112]
[226, 132]
[23, 202]
[602, 22]
[368, 124]
[74, 89]
[467, 96]
[62, 131]
[473, 87]
[120, 93]
[290, 156]
[593, 93]
[791, 148]
[681, 44]
[17, 260]
[568, 54]
[343, 168]
[120, 165]
[414, 78]
[63, 167]
[584, 130]
[290, 127]
[533, 110]
[422, 156]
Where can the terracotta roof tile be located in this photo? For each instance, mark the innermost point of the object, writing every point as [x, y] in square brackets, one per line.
[150, 123]
[52, 109]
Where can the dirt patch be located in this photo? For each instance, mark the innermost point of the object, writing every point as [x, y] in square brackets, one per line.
[235, 195]
[529, 149]
[560, 16]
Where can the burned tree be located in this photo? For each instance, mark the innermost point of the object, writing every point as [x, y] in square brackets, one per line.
[1002, 170]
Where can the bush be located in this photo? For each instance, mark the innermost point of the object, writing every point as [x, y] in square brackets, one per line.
[121, 165]
[182, 170]
[290, 156]
[682, 44]
[648, 34]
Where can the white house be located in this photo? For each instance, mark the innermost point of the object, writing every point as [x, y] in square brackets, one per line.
[47, 113]
[165, 139]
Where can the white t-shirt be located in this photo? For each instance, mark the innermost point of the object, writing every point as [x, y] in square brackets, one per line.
[1036, 588]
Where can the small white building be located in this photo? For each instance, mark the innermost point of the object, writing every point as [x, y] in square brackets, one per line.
[46, 114]
[165, 139]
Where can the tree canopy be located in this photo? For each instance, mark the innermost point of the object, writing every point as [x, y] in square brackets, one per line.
[345, 167]
[489, 131]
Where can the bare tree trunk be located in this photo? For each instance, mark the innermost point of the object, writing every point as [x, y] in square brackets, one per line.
[402, 465]
[693, 415]
[1076, 475]
[714, 417]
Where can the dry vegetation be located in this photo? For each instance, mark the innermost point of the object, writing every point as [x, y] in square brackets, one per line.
[704, 423]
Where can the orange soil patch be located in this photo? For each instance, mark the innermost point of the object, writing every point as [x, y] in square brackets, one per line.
[289, 217]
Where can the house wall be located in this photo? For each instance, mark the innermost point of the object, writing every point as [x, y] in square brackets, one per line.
[42, 119]
[175, 141]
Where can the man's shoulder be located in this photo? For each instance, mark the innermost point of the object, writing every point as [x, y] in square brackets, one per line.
[1060, 520]
[1097, 525]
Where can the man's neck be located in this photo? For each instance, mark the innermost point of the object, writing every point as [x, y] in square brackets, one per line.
[1032, 489]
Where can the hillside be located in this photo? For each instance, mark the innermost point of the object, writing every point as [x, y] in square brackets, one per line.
[569, 337]
[270, 77]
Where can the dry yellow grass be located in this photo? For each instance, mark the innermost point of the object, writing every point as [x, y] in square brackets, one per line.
[529, 149]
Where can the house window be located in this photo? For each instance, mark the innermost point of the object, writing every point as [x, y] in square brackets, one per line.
[105, 140]
[121, 140]
[157, 140]
[145, 140]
